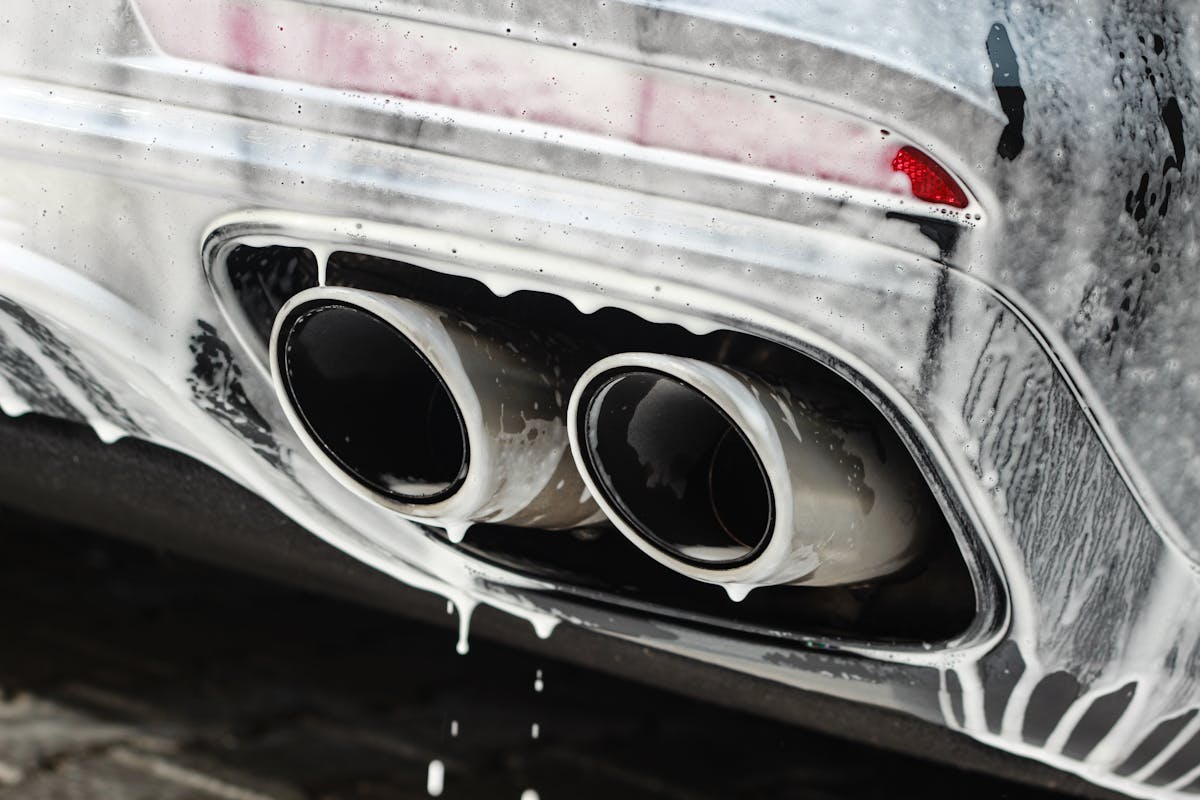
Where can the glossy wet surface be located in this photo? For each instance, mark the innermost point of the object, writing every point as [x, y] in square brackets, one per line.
[126, 674]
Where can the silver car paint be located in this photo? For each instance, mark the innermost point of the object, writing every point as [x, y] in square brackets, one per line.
[1038, 359]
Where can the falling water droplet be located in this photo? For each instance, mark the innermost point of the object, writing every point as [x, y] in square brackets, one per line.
[737, 591]
[436, 779]
[465, 609]
[543, 626]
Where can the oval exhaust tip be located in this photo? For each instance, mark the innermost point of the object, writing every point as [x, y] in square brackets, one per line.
[731, 478]
[677, 468]
[372, 402]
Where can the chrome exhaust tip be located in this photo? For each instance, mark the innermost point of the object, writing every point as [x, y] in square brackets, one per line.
[731, 479]
[436, 416]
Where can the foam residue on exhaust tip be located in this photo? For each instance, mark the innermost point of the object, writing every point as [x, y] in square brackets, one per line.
[456, 531]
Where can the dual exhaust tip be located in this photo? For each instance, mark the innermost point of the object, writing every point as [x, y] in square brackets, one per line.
[431, 414]
[724, 476]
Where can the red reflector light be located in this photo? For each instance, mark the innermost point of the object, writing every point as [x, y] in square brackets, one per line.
[929, 181]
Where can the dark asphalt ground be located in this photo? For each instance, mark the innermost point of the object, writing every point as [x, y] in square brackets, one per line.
[126, 673]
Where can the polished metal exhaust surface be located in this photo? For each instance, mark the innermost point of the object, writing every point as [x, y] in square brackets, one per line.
[733, 479]
[434, 415]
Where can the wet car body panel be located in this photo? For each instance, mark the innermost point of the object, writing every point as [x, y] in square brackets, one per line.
[1032, 348]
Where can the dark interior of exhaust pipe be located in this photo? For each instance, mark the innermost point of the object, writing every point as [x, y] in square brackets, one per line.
[373, 402]
[677, 468]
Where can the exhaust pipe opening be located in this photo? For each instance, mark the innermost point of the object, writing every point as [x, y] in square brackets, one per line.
[728, 477]
[435, 414]
[373, 402]
[677, 468]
